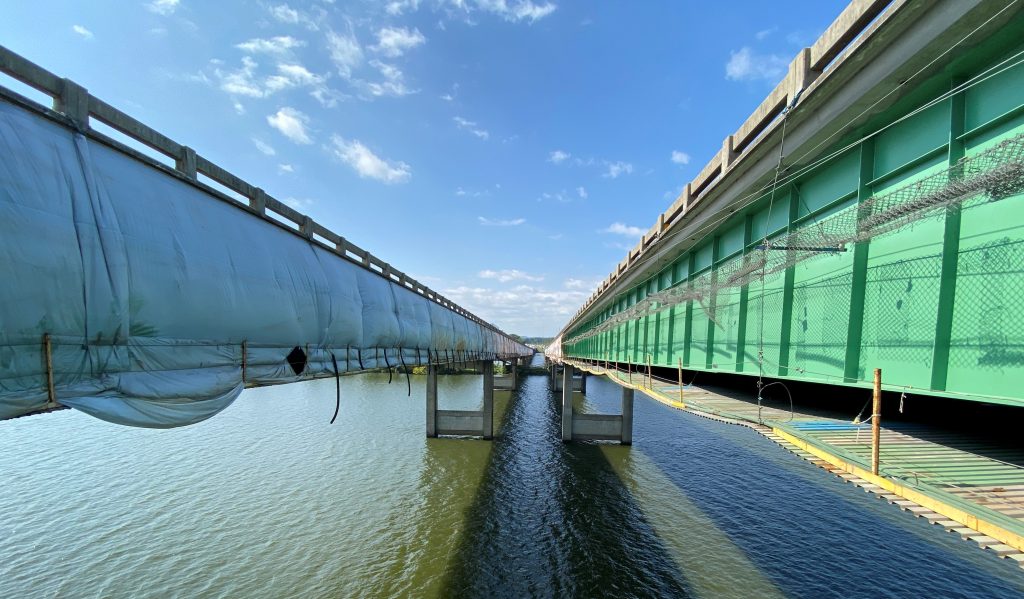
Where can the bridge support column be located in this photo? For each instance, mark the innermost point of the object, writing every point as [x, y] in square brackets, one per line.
[567, 403]
[599, 427]
[469, 423]
[431, 400]
[515, 372]
[583, 381]
[626, 432]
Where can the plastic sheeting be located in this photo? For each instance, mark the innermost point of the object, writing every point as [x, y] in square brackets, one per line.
[148, 286]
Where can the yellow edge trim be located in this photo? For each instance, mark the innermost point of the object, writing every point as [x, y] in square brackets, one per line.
[969, 520]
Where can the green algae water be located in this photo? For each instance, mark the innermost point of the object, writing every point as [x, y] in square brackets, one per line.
[269, 500]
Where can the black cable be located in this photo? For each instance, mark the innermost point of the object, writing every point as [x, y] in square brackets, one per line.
[388, 364]
[408, 381]
[337, 381]
[359, 354]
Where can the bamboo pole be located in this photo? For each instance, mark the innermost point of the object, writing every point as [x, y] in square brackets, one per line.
[51, 392]
[680, 380]
[876, 418]
[245, 352]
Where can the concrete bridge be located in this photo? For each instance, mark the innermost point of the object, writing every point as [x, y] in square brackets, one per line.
[148, 288]
[868, 214]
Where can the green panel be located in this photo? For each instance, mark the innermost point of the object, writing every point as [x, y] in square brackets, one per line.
[731, 241]
[727, 326]
[829, 184]
[703, 257]
[994, 97]
[761, 226]
[665, 279]
[901, 300]
[912, 138]
[764, 324]
[681, 269]
[821, 312]
[699, 353]
[664, 338]
[986, 353]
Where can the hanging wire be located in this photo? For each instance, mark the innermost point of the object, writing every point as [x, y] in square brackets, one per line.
[337, 382]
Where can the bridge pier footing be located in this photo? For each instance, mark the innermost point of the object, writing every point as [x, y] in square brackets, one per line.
[470, 423]
[601, 427]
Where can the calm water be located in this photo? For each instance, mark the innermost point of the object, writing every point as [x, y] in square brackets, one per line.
[268, 500]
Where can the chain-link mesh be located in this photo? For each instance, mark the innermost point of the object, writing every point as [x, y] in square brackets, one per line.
[989, 176]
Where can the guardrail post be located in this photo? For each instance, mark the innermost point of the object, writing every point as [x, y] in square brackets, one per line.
[258, 202]
[800, 75]
[73, 102]
[186, 163]
[728, 154]
[307, 227]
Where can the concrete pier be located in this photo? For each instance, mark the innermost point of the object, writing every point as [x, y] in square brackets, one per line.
[473, 423]
[599, 427]
[567, 403]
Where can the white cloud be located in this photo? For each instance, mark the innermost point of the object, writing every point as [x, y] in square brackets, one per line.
[617, 168]
[523, 10]
[286, 14]
[392, 84]
[558, 196]
[274, 45]
[368, 164]
[397, 7]
[82, 31]
[300, 204]
[472, 127]
[558, 157]
[163, 7]
[292, 124]
[680, 157]
[506, 275]
[285, 168]
[345, 52]
[745, 65]
[497, 222]
[263, 146]
[245, 81]
[764, 33]
[395, 41]
[525, 309]
[239, 109]
[623, 229]
[241, 82]
[582, 192]
[575, 284]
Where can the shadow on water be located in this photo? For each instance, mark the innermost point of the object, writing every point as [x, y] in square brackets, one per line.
[554, 519]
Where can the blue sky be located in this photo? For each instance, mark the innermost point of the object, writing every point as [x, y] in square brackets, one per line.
[504, 152]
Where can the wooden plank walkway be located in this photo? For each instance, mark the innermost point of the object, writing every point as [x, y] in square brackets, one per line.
[986, 479]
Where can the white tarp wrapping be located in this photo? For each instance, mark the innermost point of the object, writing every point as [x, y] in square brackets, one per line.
[148, 286]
